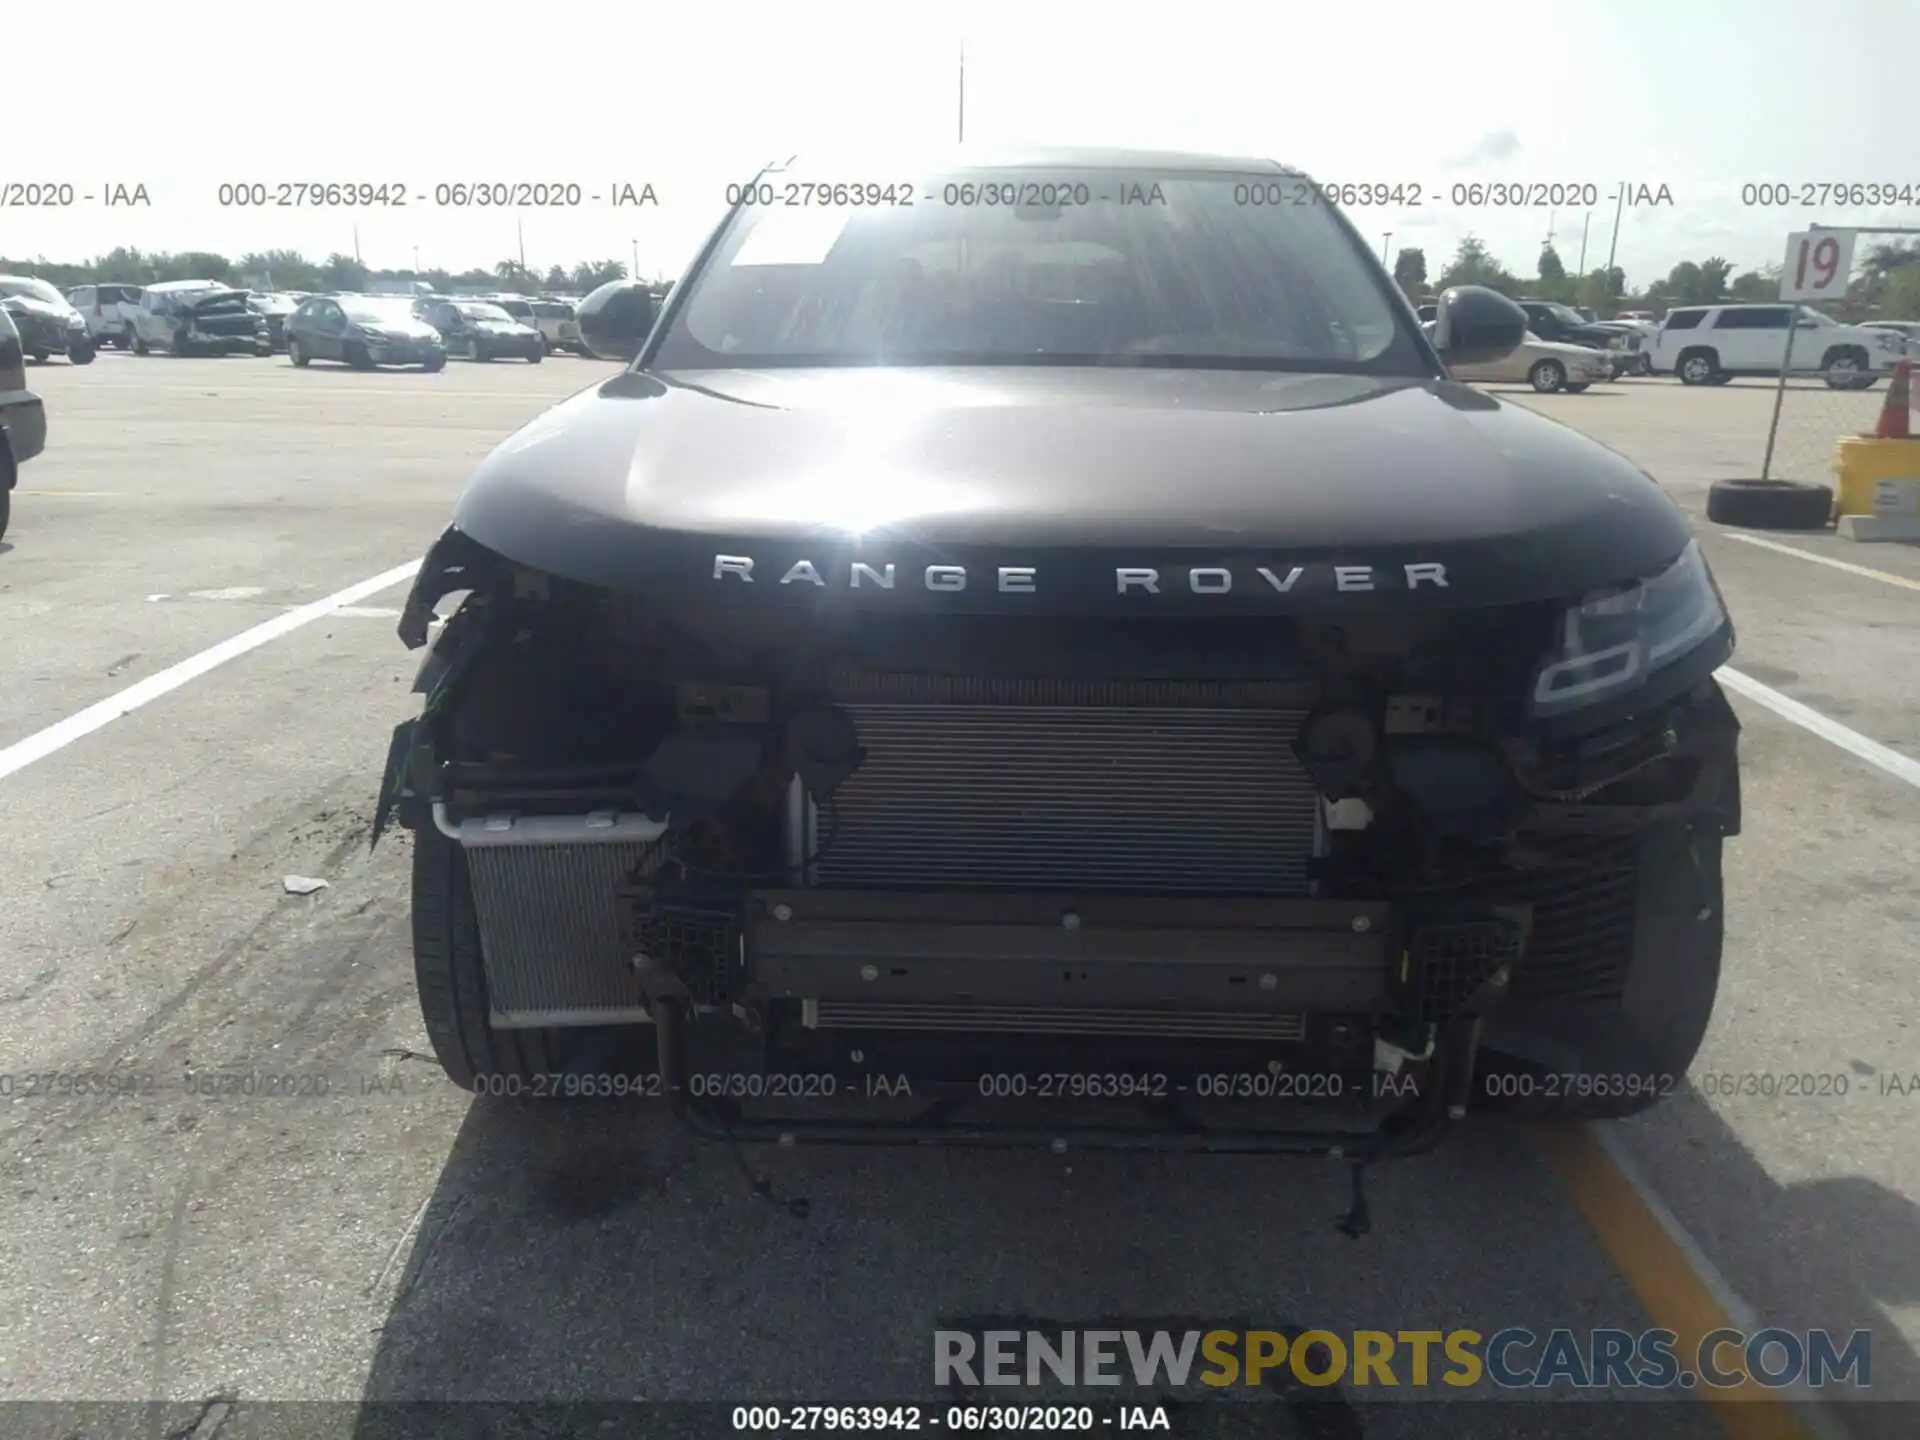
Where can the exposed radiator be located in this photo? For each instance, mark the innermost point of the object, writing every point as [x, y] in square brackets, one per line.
[551, 934]
[1183, 797]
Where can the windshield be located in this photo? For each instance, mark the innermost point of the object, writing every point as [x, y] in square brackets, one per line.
[1090, 267]
[27, 288]
[1566, 314]
[378, 310]
[516, 309]
[485, 312]
[1807, 312]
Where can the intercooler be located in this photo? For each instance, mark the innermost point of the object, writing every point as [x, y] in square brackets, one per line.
[1176, 787]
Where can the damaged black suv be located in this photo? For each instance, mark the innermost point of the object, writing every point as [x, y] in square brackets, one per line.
[1039, 649]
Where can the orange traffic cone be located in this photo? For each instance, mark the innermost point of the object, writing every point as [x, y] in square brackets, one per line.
[1894, 423]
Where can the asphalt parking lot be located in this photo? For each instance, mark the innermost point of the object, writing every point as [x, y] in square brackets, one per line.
[393, 1238]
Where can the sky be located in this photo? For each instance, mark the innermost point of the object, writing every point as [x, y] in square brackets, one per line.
[1701, 99]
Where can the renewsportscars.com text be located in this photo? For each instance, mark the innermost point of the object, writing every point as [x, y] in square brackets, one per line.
[1514, 1358]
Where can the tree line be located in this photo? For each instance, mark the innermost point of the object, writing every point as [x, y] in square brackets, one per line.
[1886, 282]
[290, 270]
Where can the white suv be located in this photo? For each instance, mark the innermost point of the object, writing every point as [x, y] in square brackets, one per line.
[1710, 344]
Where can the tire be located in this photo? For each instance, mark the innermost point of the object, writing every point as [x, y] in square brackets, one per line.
[435, 365]
[180, 348]
[1547, 376]
[358, 357]
[1652, 1029]
[535, 357]
[451, 979]
[140, 347]
[1698, 367]
[1723, 377]
[80, 355]
[299, 357]
[481, 353]
[1846, 369]
[265, 352]
[6, 509]
[39, 357]
[1575, 387]
[1770, 504]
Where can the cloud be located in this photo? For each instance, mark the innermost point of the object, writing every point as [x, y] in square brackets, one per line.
[1495, 145]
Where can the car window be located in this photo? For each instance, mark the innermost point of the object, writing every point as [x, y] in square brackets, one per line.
[1193, 276]
[1685, 319]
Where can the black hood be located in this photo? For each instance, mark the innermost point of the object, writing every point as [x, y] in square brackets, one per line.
[1223, 483]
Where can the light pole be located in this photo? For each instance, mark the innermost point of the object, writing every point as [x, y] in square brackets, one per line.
[635, 273]
[1614, 244]
[1386, 246]
[416, 259]
[1585, 225]
[963, 92]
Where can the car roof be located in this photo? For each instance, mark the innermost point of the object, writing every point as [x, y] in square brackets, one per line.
[976, 157]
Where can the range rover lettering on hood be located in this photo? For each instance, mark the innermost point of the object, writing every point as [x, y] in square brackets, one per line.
[1127, 579]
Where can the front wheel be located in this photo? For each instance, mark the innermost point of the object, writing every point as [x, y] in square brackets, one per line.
[535, 357]
[1574, 387]
[140, 347]
[38, 356]
[450, 974]
[298, 356]
[6, 510]
[1697, 368]
[1547, 376]
[480, 352]
[436, 363]
[359, 358]
[80, 354]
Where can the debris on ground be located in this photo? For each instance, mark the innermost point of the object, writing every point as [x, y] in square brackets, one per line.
[303, 884]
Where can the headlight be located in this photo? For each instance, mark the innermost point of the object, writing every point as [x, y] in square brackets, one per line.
[1616, 640]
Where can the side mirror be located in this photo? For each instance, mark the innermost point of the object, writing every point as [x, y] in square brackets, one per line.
[616, 319]
[1474, 325]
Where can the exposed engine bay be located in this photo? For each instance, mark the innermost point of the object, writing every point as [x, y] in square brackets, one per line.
[1296, 865]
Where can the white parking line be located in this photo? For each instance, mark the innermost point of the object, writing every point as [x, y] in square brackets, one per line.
[1826, 560]
[1899, 766]
[38, 746]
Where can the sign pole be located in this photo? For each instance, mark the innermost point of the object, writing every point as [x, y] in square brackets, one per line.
[1780, 393]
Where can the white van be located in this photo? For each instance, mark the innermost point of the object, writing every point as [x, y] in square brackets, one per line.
[1710, 344]
[108, 311]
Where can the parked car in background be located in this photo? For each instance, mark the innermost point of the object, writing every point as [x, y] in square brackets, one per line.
[1563, 325]
[364, 331]
[47, 323]
[1546, 365]
[23, 419]
[198, 317]
[1710, 344]
[1644, 317]
[518, 306]
[1630, 355]
[481, 330]
[557, 325]
[108, 310]
[274, 307]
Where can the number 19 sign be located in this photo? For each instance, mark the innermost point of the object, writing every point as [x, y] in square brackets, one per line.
[1817, 266]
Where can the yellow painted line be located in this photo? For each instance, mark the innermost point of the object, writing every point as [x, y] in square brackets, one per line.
[1881, 575]
[1664, 1278]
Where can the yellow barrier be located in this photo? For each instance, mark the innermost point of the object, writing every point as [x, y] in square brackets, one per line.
[1862, 460]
